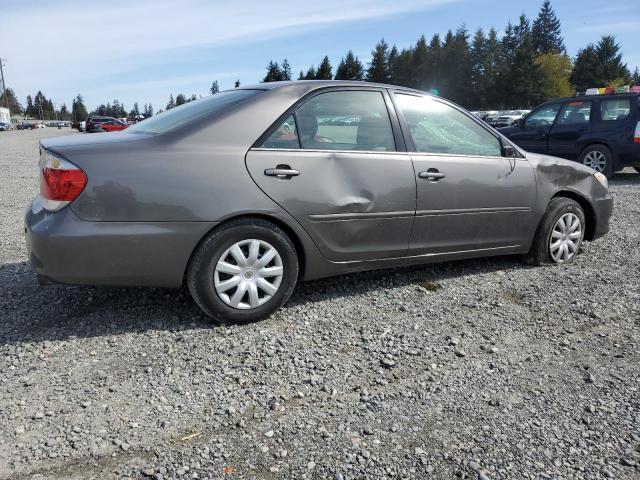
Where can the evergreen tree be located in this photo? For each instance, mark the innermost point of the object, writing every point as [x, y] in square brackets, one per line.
[547, 34]
[420, 73]
[599, 66]
[526, 81]
[378, 70]
[635, 78]
[171, 103]
[613, 69]
[286, 70]
[78, 109]
[350, 68]
[135, 111]
[324, 71]
[29, 110]
[237, 84]
[11, 101]
[310, 75]
[400, 68]
[479, 74]
[64, 112]
[180, 99]
[274, 73]
[214, 88]
[393, 66]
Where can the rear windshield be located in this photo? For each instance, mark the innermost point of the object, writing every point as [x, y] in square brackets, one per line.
[190, 111]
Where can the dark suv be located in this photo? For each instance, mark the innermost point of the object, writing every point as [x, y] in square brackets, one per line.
[104, 124]
[600, 131]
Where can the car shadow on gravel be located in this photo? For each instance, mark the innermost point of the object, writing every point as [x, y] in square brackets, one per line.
[30, 313]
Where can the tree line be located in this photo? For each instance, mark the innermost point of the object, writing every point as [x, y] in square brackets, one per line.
[525, 66]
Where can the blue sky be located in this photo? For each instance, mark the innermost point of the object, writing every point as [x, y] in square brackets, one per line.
[144, 50]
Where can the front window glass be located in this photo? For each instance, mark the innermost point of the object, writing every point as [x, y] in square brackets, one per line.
[439, 128]
[191, 111]
[285, 136]
[346, 120]
[544, 117]
[611, 110]
[574, 113]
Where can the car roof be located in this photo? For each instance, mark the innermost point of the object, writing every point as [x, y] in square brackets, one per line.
[593, 97]
[316, 84]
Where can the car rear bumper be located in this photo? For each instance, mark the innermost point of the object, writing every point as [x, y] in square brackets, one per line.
[65, 249]
[603, 208]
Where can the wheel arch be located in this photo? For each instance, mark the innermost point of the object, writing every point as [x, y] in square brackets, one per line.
[595, 142]
[587, 208]
[290, 231]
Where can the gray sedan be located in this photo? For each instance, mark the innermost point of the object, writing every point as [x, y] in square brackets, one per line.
[243, 193]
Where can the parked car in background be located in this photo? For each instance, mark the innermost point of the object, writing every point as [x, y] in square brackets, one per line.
[40, 125]
[599, 131]
[104, 124]
[244, 192]
[508, 118]
[4, 126]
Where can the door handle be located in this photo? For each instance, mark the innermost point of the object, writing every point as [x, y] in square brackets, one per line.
[281, 172]
[432, 175]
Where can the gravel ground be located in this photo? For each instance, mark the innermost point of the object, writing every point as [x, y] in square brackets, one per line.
[485, 369]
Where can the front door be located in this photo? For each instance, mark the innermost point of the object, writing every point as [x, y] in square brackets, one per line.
[573, 123]
[470, 197]
[533, 134]
[333, 165]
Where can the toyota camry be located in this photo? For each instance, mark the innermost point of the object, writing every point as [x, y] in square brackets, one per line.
[242, 194]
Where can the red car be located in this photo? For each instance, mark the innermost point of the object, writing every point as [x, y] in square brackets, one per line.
[104, 124]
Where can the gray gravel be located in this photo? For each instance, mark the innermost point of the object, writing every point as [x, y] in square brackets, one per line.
[484, 369]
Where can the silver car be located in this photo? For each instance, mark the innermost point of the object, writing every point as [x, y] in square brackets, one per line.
[243, 193]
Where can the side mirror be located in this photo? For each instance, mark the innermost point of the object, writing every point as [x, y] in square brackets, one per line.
[509, 152]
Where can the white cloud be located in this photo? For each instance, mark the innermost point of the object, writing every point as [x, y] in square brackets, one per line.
[611, 28]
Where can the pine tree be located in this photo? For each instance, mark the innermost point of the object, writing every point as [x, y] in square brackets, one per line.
[547, 33]
[150, 111]
[613, 70]
[214, 88]
[78, 109]
[285, 70]
[171, 103]
[350, 68]
[635, 78]
[392, 64]
[324, 71]
[420, 75]
[526, 79]
[378, 70]
[180, 99]
[401, 73]
[11, 101]
[237, 84]
[135, 111]
[479, 76]
[493, 55]
[274, 73]
[311, 74]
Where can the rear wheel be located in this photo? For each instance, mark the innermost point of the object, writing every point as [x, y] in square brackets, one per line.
[599, 158]
[560, 233]
[243, 271]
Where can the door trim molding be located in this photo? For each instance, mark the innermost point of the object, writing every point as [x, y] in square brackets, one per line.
[341, 217]
[470, 211]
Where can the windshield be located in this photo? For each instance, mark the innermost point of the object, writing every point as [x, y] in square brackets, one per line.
[190, 111]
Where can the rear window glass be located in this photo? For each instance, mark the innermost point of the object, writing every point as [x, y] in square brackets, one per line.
[611, 110]
[178, 116]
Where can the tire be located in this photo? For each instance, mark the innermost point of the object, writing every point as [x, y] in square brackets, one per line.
[599, 158]
[541, 249]
[214, 262]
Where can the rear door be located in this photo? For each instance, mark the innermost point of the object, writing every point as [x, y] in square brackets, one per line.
[572, 125]
[470, 197]
[533, 133]
[337, 165]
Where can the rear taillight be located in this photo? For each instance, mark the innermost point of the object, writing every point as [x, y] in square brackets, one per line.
[636, 136]
[60, 181]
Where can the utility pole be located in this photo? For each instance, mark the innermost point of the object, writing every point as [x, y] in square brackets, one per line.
[4, 88]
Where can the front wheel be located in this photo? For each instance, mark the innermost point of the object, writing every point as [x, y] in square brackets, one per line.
[560, 233]
[243, 271]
